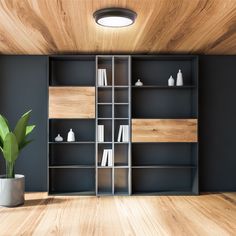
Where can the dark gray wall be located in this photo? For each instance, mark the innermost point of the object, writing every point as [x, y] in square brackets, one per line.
[23, 86]
[217, 123]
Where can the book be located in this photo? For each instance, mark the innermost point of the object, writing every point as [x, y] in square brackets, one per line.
[125, 133]
[109, 157]
[120, 133]
[99, 77]
[104, 157]
[100, 133]
[105, 77]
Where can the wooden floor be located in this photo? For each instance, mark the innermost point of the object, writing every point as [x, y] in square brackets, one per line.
[209, 214]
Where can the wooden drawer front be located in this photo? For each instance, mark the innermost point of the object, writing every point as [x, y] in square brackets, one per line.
[72, 102]
[164, 130]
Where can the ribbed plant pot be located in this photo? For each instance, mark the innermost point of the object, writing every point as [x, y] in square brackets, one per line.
[12, 191]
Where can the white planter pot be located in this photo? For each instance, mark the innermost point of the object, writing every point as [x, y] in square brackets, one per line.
[12, 191]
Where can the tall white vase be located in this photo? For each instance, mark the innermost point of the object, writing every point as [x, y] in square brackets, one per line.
[179, 80]
[71, 136]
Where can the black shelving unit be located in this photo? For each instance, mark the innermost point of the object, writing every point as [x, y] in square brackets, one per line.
[165, 167]
[71, 165]
[139, 168]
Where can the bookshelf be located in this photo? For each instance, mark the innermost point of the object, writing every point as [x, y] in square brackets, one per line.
[161, 154]
[71, 165]
[113, 110]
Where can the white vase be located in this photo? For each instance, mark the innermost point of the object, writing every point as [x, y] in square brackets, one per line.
[171, 81]
[139, 83]
[71, 136]
[58, 138]
[179, 81]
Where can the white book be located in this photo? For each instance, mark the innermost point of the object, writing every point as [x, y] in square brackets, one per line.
[110, 157]
[100, 133]
[125, 133]
[105, 77]
[104, 157]
[120, 133]
[100, 77]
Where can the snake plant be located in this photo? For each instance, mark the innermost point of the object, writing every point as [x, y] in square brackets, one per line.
[12, 142]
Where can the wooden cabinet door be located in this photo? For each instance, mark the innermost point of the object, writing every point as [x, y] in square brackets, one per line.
[71, 102]
[164, 130]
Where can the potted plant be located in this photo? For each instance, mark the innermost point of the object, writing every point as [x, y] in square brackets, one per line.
[11, 143]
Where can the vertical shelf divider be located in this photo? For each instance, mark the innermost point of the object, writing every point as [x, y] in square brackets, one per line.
[113, 132]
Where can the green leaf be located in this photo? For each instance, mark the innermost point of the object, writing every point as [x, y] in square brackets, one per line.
[20, 129]
[4, 129]
[10, 148]
[29, 129]
[26, 142]
[1, 149]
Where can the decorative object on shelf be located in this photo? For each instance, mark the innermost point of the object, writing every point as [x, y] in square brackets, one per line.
[179, 80]
[139, 83]
[12, 186]
[58, 138]
[71, 136]
[171, 81]
[123, 134]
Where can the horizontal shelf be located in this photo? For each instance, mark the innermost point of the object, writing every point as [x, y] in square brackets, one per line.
[104, 167]
[104, 142]
[71, 193]
[165, 166]
[77, 142]
[71, 166]
[115, 103]
[164, 142]
[173, 193]
[121, 142]
[113, 86]
[165, 87]
[121, 166]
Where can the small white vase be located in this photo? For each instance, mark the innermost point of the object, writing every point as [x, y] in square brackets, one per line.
[171, 81]
[139, 83]
[58, 138]
[71, 136]
[179, 81]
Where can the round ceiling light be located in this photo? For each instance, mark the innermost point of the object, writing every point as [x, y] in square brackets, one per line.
[114, 17]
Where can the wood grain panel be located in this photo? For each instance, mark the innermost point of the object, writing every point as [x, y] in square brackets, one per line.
[164, 130]
[162, 26]
[209, 214]
[71, 102]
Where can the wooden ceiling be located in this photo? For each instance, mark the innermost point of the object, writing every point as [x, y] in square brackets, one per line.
[162, 26]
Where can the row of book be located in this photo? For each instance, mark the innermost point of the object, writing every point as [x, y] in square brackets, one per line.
[102, 77]
[106, 157]
[123, 134]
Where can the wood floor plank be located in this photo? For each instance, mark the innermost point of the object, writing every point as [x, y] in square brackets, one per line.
[208, 214]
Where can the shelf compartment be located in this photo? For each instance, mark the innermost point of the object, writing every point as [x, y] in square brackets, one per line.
[121, 95]
[105, 62]
[164, 130]
[117, 123]
[121, 154]
[64, 155]
[156, 70]
[104, 181]
[104, 111]
[121, 111]
[78, 71]
[164, 87]
[175, 103]
[71, 180]
[150, 180]
[121, 181]
[83, 129]
[121, 72]
[107, 128]
[104, 95]
[100, 149]
[152, 154]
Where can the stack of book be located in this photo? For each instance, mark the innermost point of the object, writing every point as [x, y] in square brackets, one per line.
[100, 133]
[102, 77]
[123, 134]
[107, 157]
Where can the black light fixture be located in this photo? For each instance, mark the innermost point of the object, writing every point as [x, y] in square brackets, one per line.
[114, 17]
